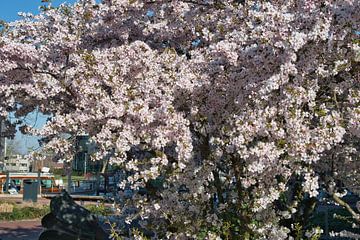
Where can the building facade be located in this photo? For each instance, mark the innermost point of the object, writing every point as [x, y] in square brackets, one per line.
[16, 164]
[82, 162]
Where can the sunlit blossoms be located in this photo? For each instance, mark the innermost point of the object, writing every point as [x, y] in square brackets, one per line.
[236, 107]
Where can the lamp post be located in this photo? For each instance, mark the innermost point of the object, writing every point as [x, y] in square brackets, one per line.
[68, 173]
[39, 181]
[85, 163]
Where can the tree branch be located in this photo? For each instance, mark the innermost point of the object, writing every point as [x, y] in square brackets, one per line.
[342, 203]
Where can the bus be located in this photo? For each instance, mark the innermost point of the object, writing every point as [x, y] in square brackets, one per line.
[16, 182]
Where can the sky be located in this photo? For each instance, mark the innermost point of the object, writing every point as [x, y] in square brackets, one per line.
[9, 9]
[8, 12]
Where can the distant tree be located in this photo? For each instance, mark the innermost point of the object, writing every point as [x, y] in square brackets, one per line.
[13, 147]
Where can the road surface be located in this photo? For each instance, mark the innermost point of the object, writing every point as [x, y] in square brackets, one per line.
[20, 230]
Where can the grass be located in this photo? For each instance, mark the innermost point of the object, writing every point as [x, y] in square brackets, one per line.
[22, 212]
[34, 211]
[101, 210]
[77, 178]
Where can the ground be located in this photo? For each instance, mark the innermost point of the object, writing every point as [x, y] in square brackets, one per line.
[20, 230]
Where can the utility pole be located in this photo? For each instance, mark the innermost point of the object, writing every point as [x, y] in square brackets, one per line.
[7, 182]
[2, 147]
[5, 147]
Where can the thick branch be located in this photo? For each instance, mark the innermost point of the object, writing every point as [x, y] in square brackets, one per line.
[342, 203]
[106, 162]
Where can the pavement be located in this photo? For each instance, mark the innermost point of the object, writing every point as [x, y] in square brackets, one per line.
[18, 198]
[20, 230]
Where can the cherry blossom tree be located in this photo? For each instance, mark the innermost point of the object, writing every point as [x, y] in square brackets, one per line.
[243, 109]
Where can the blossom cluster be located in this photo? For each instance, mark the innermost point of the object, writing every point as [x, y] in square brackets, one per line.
[227, 102]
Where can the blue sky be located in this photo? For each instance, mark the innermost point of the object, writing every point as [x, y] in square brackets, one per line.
[9, 9]
[8, 12]
[26, 143]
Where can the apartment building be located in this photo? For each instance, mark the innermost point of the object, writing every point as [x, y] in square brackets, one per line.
[16, 164]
